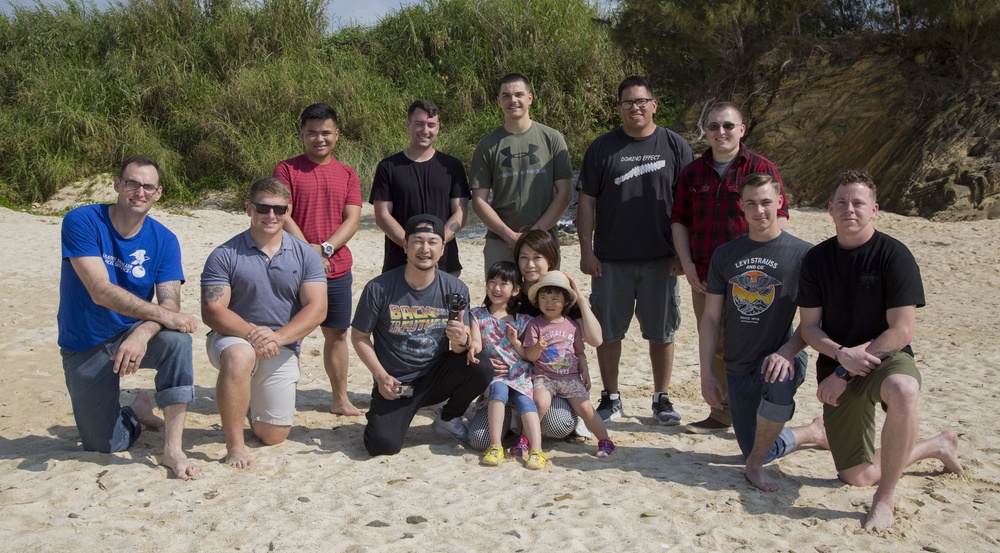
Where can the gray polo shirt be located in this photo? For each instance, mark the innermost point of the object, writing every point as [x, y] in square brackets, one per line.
[265, 291]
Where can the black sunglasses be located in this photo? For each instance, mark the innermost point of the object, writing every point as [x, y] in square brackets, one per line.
[264, 208]
[714, 127]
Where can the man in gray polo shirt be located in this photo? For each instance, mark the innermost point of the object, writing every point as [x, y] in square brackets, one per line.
[262, 292]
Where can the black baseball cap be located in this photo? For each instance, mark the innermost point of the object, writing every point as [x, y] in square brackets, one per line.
[413, 225]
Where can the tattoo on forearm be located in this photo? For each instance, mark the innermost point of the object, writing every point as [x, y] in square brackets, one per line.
[455, 227]
[170, 291]
[211, 294]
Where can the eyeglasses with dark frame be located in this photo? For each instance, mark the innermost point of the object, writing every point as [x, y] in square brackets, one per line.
[714, 127]
[135, 185]
[263, 209]
[638, 102]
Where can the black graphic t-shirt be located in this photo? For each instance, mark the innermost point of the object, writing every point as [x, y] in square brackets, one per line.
[633, 180]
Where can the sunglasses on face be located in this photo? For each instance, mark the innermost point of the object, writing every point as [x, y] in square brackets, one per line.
[263, 209]
[714, 127]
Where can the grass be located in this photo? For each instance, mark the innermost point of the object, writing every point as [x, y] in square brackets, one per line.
[213, 89]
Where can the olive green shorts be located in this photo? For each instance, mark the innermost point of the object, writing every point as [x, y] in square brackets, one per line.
[850, 426]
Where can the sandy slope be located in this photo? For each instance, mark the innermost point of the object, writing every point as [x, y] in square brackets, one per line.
[662, 489]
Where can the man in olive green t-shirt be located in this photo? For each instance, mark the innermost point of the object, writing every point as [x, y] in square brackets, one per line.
[526, 165]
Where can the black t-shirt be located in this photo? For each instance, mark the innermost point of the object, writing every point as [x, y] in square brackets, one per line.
[633, 180]
[419, 188]
[855, 287]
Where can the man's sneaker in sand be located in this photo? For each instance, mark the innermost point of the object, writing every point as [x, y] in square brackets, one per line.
[609, 409]
[707, 426]
[454, 428]
[663, 411]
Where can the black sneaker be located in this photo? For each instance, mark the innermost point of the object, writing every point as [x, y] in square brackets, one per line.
[609, 409]
[707, 426]
[664, 413]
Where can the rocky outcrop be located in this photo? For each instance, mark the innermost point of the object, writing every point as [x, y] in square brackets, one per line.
[929, 134]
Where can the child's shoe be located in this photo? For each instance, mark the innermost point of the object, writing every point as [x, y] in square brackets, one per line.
[604, 448]
[536, 459]
[494, 454]
[520, 449]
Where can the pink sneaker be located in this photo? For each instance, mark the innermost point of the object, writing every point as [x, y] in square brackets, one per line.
[604, 448]
[521, 448]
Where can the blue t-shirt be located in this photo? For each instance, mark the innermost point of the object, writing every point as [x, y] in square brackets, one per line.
[137, 264]
[264, 291]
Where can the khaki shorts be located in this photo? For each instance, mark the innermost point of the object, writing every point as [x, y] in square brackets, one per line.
[272, 382]
[646, 289]
[850, 426]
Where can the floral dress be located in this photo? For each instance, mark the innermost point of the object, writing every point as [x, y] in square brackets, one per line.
[497, 346]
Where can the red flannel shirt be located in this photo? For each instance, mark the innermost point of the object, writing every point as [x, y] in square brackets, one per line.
[319, 194]
[708, 205]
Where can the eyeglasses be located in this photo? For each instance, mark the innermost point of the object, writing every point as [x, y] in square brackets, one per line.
[135, 185]
[263, 209]
[638, 102]
[714, 127]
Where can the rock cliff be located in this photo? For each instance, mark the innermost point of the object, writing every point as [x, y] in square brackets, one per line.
[927, 131]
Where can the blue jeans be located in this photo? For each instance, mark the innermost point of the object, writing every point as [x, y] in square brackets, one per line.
[750, 395]
[105, 425]
[522, 403]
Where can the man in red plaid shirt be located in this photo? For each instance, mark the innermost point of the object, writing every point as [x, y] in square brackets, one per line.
[707, 214]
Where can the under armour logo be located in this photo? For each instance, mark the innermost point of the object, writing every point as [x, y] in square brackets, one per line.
[530, 154]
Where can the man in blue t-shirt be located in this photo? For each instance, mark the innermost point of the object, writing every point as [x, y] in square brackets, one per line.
[262, 292]
[114, 258]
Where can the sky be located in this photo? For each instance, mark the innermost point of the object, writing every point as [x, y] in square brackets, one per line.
[342, 12]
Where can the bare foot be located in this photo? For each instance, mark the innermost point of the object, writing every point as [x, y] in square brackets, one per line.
[946, 450]
[880, 516]
[760, 479]
[180, 465]
[143, 409]
[345, 408]
[239, 458]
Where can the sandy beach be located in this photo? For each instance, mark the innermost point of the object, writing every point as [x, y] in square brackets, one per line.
[661, 490]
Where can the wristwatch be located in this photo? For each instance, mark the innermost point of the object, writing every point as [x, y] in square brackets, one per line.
[328, 249]
[842, 374]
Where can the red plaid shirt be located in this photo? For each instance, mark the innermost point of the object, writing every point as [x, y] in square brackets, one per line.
[708, 205]
[319, 194]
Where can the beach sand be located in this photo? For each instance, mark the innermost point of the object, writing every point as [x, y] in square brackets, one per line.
[661, 490]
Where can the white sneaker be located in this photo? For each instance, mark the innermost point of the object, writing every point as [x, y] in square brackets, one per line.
[454, 428]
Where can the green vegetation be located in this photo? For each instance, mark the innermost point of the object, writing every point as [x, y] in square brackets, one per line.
[213, 89]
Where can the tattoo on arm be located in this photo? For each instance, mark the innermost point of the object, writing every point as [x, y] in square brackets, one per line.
[455, 227]
[211, 294]
[169, 292]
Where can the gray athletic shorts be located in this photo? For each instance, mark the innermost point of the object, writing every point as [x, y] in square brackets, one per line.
[646, 289]
[272, 382]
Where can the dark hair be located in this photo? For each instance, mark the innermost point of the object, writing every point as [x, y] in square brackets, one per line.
[426, 105]
[543, 243]
[270, 186]
[756, 180]
[552, 290]
[859, 176]
[513, 78]
[508, 272]
[140, 161]
[321, 112]
[634, 80]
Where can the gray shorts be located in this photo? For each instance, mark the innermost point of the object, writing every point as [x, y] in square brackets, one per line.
[646, 289]
[272, 382]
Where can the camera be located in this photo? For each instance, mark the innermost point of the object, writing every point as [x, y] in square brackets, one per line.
[456, 303]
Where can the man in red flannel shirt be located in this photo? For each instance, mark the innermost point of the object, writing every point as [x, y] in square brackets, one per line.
[707, 214]
[325, 213]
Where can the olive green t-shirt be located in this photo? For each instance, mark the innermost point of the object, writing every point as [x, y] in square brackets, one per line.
[519, 170]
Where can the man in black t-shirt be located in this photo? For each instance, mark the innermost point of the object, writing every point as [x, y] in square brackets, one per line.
[417, 180]
[858, 299]
[626, 189]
